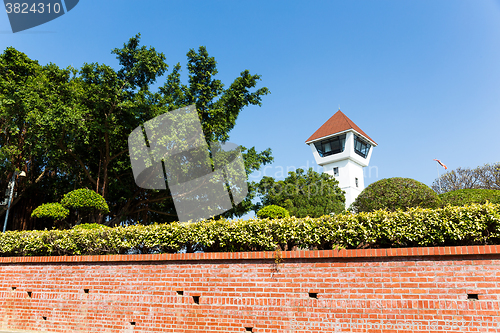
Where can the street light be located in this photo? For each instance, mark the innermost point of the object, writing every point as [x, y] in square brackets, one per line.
[12, 184]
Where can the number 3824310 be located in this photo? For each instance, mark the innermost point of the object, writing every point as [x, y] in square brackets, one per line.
[36, 8]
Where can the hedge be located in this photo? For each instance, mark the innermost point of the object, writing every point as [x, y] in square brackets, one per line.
[90, 226]
[448, 226]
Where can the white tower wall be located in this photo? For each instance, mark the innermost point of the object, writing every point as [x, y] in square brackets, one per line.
[349, 172]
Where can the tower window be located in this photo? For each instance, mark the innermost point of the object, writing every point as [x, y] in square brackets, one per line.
[361, 147]
[331, 146]
[356, 182]
[336, 172]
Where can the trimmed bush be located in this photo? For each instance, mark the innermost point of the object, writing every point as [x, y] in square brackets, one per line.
[272, 212]
[469, 196]
[53, 210]
[395, 193]
[448, 226]
[85, 200]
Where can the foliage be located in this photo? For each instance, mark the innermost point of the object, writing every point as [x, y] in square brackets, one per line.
[448, 226]
[470, 196]
[303, 194]
[90, 226]
[68, 128]
[85, 200]
[26, 86]
[272, 212]
[53, 210]
[395, 193]
[85, 204]
[482, 177]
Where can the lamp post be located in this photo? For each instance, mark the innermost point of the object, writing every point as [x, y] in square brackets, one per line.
[12, 184]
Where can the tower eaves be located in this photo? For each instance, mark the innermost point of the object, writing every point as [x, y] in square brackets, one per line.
[337, 123]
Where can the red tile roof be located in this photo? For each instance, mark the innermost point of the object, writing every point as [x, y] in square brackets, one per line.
[336, 124]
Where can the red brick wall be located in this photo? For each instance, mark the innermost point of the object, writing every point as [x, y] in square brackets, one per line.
[390, 290]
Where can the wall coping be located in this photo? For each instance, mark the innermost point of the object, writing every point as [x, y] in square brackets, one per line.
[306, 254]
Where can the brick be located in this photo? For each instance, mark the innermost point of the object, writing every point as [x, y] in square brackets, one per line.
[360, 290]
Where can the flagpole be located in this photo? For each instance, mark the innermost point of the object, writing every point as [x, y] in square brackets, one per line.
[439, 180]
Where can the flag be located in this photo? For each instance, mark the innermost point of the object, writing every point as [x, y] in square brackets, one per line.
[441, 164]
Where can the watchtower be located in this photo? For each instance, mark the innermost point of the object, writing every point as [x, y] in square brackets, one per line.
[343, 150]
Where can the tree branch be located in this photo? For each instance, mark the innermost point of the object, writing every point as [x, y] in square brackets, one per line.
[118, 154]
[92, 180]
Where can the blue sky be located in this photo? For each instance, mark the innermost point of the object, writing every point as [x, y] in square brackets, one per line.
[422, 78]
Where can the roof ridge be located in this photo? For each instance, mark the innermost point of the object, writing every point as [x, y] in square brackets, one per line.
[348, 120]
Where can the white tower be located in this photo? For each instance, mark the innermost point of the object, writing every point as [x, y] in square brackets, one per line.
[343, 150]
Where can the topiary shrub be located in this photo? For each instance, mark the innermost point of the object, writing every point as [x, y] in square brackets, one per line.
[53, 210]
[469, 196]
[85, 200]
[395, 193]
[272, 212]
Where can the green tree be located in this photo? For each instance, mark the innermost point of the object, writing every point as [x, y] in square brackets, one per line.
[302, 193]
[27, 87]
[73, 129]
